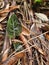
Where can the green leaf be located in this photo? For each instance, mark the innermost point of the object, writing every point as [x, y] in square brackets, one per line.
[39, 1]
[14, 27]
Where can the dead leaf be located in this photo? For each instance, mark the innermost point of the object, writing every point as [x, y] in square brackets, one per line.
[47, 36]
[25, 30]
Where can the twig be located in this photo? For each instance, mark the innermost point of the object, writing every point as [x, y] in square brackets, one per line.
[37, 36]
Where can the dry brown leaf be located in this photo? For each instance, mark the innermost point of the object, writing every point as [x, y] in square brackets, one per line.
[46, 27]
[25, 30]
[9, 9]
[4, 57]
[1, 27]
[40, 50]
[2, 18]
[47, 36]
[14, 58]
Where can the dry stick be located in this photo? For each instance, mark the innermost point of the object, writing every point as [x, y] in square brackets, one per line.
[37, 57]
[23, 61]
[45, 62]
[37, 36]
[16, 51]
[18, 54]
[5, 46]
[41, 55]
[25, 9]
[41, 60]
[38, 49]
[24, 49]
[34, 46]
[27, 46]
[40, 39]
[44, 43]
[16, 40]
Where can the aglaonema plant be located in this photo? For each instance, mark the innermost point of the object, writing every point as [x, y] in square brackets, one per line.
[14, 28]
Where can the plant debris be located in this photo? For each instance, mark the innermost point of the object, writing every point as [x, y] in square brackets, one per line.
[24, 33]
